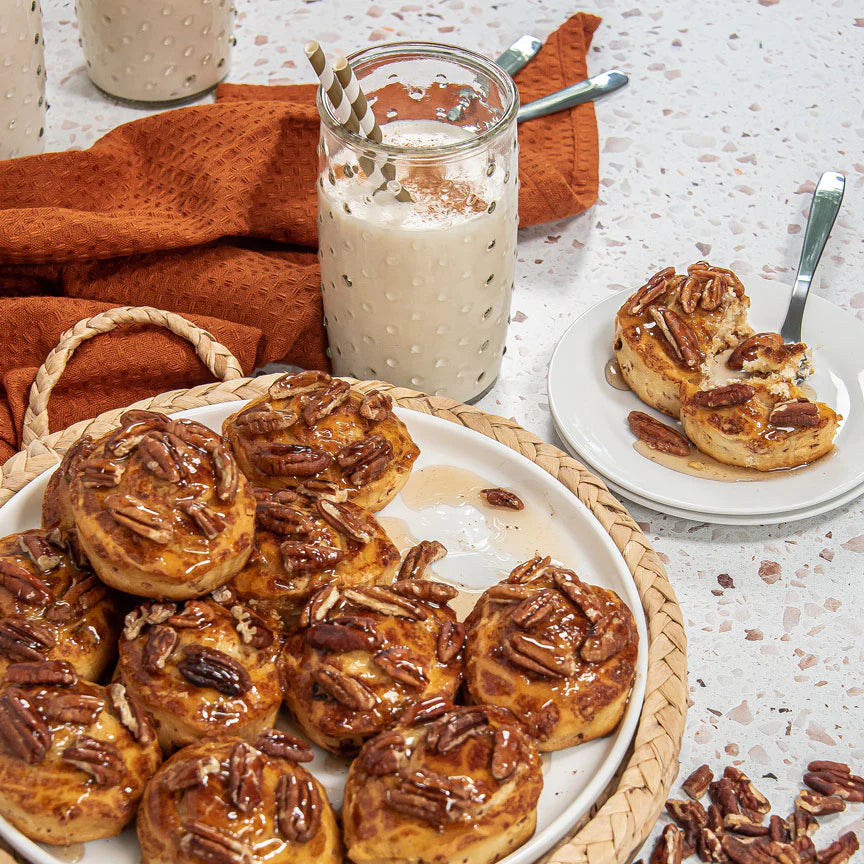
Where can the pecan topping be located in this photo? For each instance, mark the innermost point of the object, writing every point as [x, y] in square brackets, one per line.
[146, 613]
[40, 551]
[669, 848]
[503, 498]
[194, 615]
[651, 290]
[22, 640]
[280, 744]
[376, 406]
[819, 805]
[346, 520]
[131, 713]
[579, 594]
[451, 637]
[365, 460]
[24, 586]
[835, 778]
[339, 637]
[208, 667]
[225, 471]
[289, 460]
[263, 420]
[658, 435]
[81, 709]
[529, 570]
[309, 557]
[52, 673]
[508, 593]
[605, 639]
[315, 489]
[24, 734]
[426, 710]
[160, 643]
[797, 413]
[189, 774]
[384, 754]
[134, 426]
[402, 666]
[319, 605]
[705, 286]
[160, 458]
[419, 557]
[724, 397]
[539, 657]
[100, 759]
[424, 589]
[431, 797]
[101, 473]
[298, 808]
[506, 754]
[251, 627]
[214, 845]
[725, 279]
[139, 518]
[210, 523]
[696, 784]
[300, 382]
[534, 609]
[279, 517]
[245, 772]
[751, 347]
[344, 688]
[450, 731]
[224, 595]
[77, 599]
[385, 601]
[319, 405]
[79, 452]
[679, 335]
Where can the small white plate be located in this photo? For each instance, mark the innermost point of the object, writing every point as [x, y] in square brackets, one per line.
[591, 416]
[483, 546]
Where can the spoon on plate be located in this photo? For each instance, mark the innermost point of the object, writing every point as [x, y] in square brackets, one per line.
[827, 199]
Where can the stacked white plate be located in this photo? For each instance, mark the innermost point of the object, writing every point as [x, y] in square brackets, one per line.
[591, 418]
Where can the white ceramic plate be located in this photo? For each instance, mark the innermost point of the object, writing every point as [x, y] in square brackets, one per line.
[483, 546]
[591, 416]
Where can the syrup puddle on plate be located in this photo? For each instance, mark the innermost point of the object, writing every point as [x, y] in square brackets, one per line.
[612, 373]
[72, 853]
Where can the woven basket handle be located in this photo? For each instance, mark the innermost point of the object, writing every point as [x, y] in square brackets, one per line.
[215, 356]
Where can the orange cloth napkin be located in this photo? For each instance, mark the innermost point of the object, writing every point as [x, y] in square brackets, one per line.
[209, 211]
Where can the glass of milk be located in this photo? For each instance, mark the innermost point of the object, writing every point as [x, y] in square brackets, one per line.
[417, 287]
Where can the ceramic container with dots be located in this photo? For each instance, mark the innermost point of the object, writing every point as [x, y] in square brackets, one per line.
[156, 53]
[22, 79]
[417, 290]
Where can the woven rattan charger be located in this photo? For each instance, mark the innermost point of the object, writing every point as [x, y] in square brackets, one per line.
[625, 813]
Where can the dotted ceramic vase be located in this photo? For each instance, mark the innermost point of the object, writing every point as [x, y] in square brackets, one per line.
[22, 79]
[156, 52]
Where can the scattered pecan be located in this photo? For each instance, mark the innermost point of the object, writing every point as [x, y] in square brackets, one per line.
[146, 613]
[669, 847]
[298, 808]
[506, 754]
[689, 814]
[529, 570]
[449, 731]
[778, 830]
[835, 778]
[696, 784]
[679, 335]
[365, 460]
[796, 414]
[579, 594]
[49, 673]
[503, 498]
[23, 585]
[245, 774]
[101, 473]
[289, 460]
[722, 793]
[650, 291]
[22, 640]
[419, 557]
[280, 744]
[346, 519]
[658, 435]
[605, 639]
[750, 798]
[102, 760]
[298, 383]
[189, 773]
[426, 710]
[210, 523]
[723, 397]
[339, 637]
[805, 848]
[819, 805]
[451, 638]
[344, 688]
[24, 733]
[534, 609]
[208, 667]
[82, 709]
[214, 845]
[741, 824]
[801, 824]
[319, 606]
[715, 818]
[384, 754]
[309, 557]
[709, 847]
[376, 406]
[135, 515]
[387, 602]
[251, 627]
[402, 666]
[750, 348]
[319, 405]
[161, 641]
[40, 551]
[280, 518]
[840, 851]
[264, 420]
[130, 713]
[424, 589]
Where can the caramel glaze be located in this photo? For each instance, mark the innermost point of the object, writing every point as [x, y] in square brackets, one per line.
[77, 619]
[56, 502]
[166, 813]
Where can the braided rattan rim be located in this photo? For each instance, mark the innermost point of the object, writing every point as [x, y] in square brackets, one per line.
[617, 826]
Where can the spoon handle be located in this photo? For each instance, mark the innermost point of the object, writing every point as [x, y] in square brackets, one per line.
[823, 211]
[575, 94]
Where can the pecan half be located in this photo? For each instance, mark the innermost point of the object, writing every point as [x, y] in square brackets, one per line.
[722, 793]
[309, 557]
[696, 784]
[365, 460]
[130, 713]
[605, 639]
[650, 291]
[82, 709]
[402, 666]
[346, 520]
[669, 848]
[337, 638]
[245, 774]
[49, 673]
[704, 286]
[24, 733]
[225, 471]
[508, 593]
[723, 397]
[750, 798]
[539, 657]
[805, 848]
[449, 731]
[835, 778]
[146, 613]
[135, 515]
[81, 595]
[658, 435]
[44, 555]
[279, 517]
[534, 609]
[840, 851]
[188, 774]
[778, 830]
[387, 602]
[579, 594]
[208, 522]
[161, 642]
[506, 754]
[319, 606]
[280, 744]
[819, 805]
[432, 797]
[297, 383]
[78, 453]
[214, 845]
[344, 688]
[319, 405]
[194, 615]
[738, 823]
[450, 640]
[208, 667]
[709, 847]
[134, 425]
[264, 420]
[289, 460]
[376, 406]
[750, 348]
[797, 413]
[160, 458]
[315, 489]
[426, 710]
[384, 754]
[679, 334]
[102, 760]
[503, 498]
[251, 627]
[424, 589]
[101, 473]
[298, 808]
[529, 570]
[22, 640]
[23, 585]
[419, 557]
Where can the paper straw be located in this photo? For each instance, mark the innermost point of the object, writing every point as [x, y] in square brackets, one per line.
[331, 86]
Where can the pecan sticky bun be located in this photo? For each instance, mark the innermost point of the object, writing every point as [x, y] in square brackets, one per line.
[52, 605]
[161, 509]
[559, 653]
[310, 428]
[359, 656]
[306, 541]
[201, 669]
[74, 756]
[230, 801]
[445, 784]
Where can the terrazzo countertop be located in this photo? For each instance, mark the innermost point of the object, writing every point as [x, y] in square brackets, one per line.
[712, 151]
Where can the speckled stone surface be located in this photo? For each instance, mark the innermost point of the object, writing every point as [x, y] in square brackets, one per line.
[732, 113]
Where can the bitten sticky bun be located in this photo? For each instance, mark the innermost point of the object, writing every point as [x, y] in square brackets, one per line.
[201, 669]
[445, 784]
[161, 509]
[74, 756]
[228, 801]
[310, 427]
[560, 654]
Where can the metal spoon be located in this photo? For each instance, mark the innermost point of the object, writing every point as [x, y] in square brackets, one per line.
[575, 94]
[823, 211]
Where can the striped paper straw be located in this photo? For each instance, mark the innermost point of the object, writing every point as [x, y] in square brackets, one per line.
[331, 86]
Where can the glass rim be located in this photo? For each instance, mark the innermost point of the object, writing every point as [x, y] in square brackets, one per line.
[400, 49]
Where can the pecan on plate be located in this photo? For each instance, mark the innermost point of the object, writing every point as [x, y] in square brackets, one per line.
[506, 754]
[251, 627]
[424, 589]
[529, 570]
[102, 760]
[384, 600]
[650, 291]
[534, 609]
[345, 689]
[101, 473]
[189, 774]
[796, 413]
[289, 460]
[309, 557]
[450, 640]
[658, 435]
[749, 349]
[723, 397]
[338, 637]
[503, 498]
[449, 731]
[696, 784]
[47, 673]
[263, 420]
[365, 460]
[24, 734]
[319, 606]
[135, 515]
[298, 383]
[23, 585]
[538, 656]
[208, 667]
[82, 709]
[384, 754]
[819, 805]
[274, 742]
[419, 557]
[279, 517]
[214, 845]
[402, 666]
[376, 406]
[579, 594]
[346, 520]
[44, 554]
[835, 778]
[22, 640]
[298, 808]
[669, 848]
[679, 334]
[130, 713]
[208, 522]
[317, 406]
[245, 774]
[605, 639]
[161, 642]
